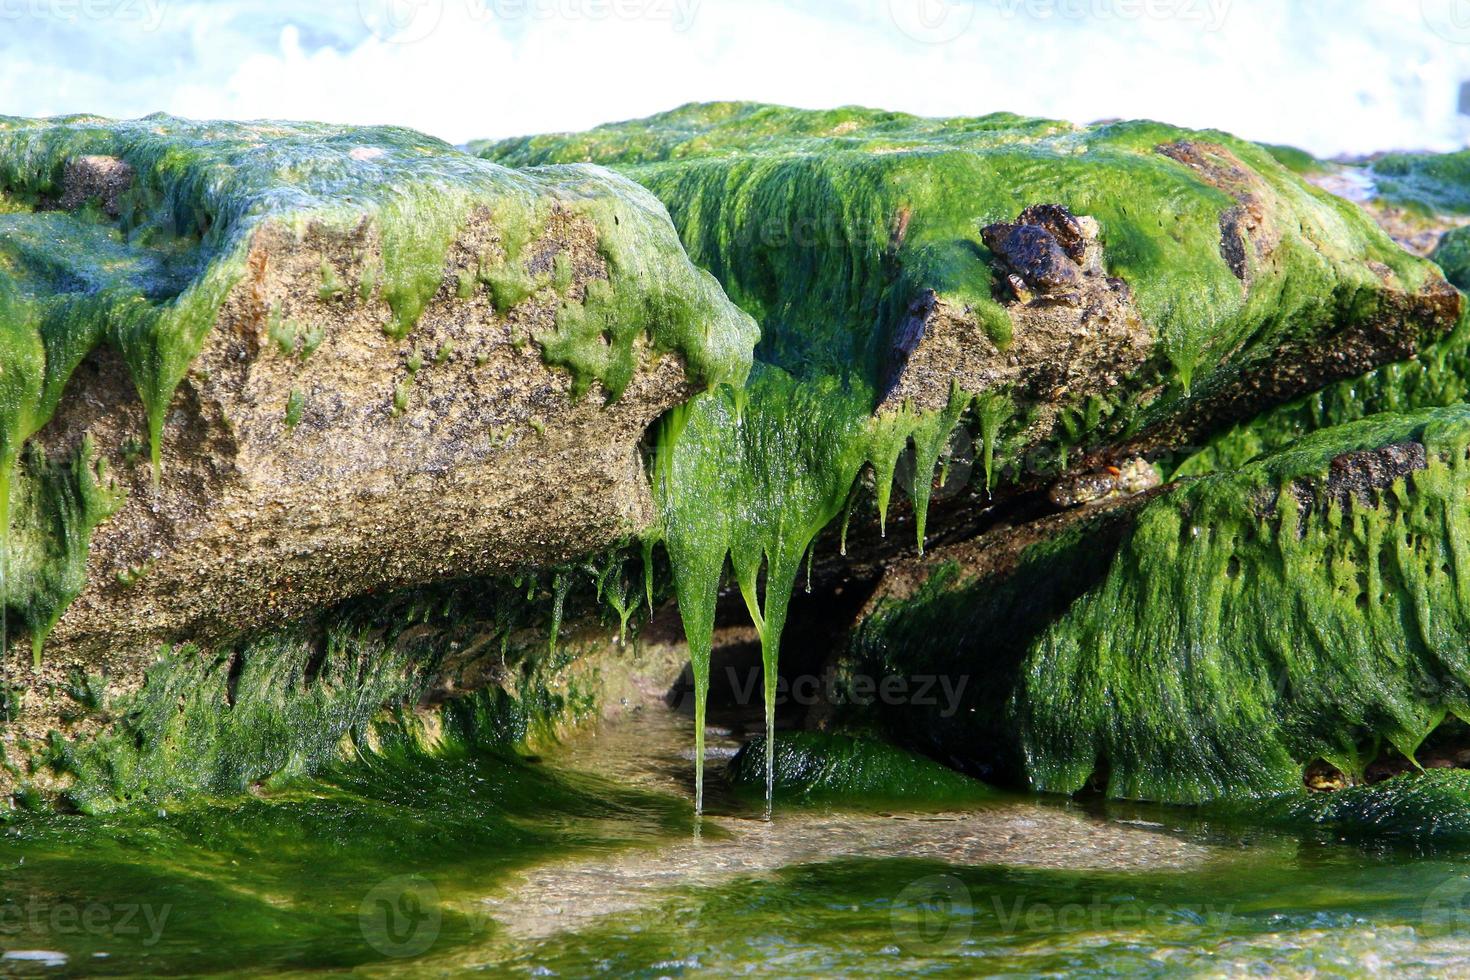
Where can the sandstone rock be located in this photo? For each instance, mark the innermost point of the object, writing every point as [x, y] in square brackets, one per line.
[361, 371]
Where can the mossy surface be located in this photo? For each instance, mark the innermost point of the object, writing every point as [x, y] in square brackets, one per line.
[1295, 159]
[280, 707]
[797, 213]
[857, 770]
[146, 264]
[1452, 254]
[1438, 377]
[1210, 645]
[1429, 809]
[826, 226]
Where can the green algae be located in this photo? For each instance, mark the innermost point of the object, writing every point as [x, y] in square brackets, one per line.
[1219, 639]
[211, 185]
[1423, 810]
[825, 226]
[820, 766]
[300, 870]
[55, 509]
[1438, 376]
[1428, 183]
[753, 477]
[1452, 254]
[273, 709]
[1295, 159]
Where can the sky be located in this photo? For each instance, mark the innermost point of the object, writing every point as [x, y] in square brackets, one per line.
[1332, 76]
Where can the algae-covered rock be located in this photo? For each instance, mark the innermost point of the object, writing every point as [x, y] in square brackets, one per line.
[504, 665]
[1423, 200]
[1452, 254]
[310, 362]
[1239, 284]
[822, 766]
[1425, 809]
[1076, 292]
[1208, 639]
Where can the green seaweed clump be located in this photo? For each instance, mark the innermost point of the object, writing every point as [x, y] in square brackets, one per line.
[1437, 377]
[1211, 642]
[1452, 254]
[1419, 809]
[270, 710]
[55, 509]
[819, 766]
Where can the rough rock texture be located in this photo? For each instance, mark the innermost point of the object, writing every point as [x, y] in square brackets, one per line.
[366, 361]
[489, 465]
[1075, 331]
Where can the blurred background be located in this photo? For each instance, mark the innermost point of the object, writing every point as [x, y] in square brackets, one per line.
[1332, 76]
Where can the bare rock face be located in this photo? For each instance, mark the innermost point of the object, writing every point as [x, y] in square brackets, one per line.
[103, 179]
[1075, 330]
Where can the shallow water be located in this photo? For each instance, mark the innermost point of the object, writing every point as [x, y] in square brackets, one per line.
[588, 862]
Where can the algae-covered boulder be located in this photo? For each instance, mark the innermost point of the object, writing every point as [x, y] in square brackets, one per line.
[1423, 200]
[813, 766]
[1076, 294]
[1205, 640]
[296, 363]
[1196, 278]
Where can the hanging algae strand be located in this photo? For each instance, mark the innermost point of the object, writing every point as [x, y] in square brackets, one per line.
[756, 486]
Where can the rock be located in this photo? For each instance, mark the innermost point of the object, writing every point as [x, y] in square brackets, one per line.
[103, 179]
[852, 269]
[361, 371]
[863, 771]
[1134, 476]
[1211, 639]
